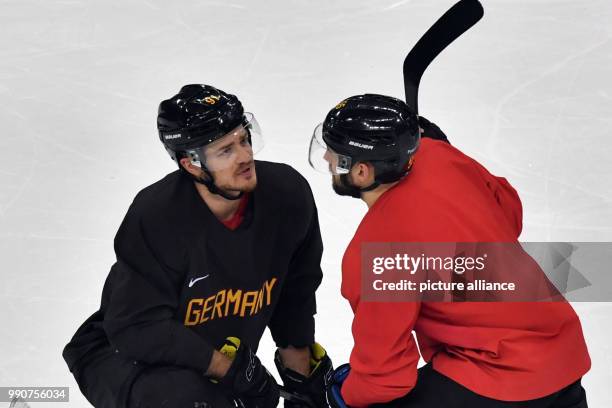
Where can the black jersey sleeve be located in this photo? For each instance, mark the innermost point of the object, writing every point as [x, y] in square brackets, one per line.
[292, 322]
[140, 318]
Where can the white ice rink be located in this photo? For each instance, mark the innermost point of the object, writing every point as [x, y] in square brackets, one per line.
[527, 92]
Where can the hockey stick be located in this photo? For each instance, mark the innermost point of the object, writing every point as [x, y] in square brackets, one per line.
[297, 398]
[18, 403]
[456, 21]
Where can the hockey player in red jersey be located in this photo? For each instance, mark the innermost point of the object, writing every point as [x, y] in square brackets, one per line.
[422, 189]
[207, 258]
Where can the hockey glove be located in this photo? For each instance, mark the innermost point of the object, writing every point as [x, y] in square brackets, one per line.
[247, 379]
[431, 130]
[310, 389]
[334, 397]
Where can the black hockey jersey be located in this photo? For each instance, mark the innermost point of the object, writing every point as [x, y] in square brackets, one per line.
[183, 281]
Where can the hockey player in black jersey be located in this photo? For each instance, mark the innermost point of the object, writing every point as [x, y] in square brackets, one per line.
[208, 257]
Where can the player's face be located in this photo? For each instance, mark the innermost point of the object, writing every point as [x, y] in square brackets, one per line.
[230, 160]
[331, 160]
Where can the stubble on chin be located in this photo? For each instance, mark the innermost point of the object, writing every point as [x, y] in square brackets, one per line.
[244, 186]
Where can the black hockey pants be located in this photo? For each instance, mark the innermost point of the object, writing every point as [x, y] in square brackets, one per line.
[114, 382]
[434, 390]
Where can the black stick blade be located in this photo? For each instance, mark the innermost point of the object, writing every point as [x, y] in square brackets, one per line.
[457, 20]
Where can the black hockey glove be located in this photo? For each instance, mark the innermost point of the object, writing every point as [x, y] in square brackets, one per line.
[334, 397]
[309, 391]
[431, 130]
[247, 379]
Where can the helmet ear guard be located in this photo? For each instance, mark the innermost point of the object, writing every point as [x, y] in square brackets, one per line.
[192, 155]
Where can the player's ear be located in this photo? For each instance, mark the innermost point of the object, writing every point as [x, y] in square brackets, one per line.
[190, 166]
[362, 174]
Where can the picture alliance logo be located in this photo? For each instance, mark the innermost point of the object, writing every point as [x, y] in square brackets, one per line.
[412, 264]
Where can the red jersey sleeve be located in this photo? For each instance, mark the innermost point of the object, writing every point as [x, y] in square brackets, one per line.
[385, 356]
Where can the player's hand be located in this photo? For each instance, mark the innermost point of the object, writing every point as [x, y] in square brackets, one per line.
[431, 130]
[247, 379]
[313, 387]
[334, 397]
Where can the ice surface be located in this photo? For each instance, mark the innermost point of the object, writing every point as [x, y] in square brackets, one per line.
[527, 92]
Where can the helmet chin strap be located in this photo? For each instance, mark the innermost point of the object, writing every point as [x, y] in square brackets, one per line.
[212, 187]
[347, 188]
[216, 190]
[209, 182]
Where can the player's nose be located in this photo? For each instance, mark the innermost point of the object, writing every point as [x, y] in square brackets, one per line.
[245, 153]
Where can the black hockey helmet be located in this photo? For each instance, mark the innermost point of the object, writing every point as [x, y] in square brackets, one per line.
[197, 116]
[378, 129]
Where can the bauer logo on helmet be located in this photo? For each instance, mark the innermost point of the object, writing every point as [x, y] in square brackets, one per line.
[361, 145]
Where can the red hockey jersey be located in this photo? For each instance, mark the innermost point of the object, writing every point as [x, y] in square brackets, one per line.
[505, 351]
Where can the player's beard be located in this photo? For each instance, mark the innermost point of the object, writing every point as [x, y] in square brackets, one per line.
[343, 186]
[239, 183]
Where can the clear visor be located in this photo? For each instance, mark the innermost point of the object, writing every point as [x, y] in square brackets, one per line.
[232, 149]
[323, 159]
[257, 141]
